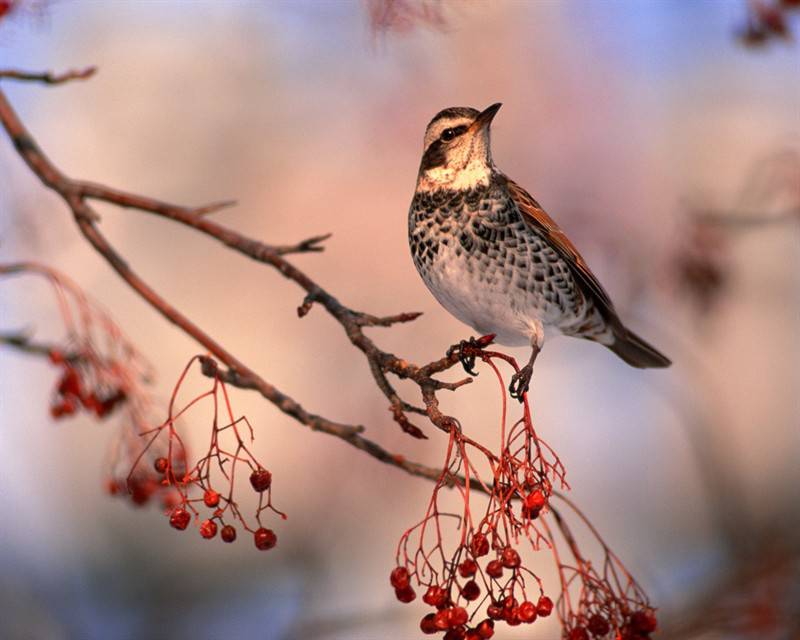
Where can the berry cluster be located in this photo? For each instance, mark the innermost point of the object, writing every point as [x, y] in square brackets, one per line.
[102, 373]
[485, 581]
[76, 388]
[203, 492]
[637, 626]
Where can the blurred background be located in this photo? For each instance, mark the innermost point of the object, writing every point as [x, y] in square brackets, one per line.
[663, 136]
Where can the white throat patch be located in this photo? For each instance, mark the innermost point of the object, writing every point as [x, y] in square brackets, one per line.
[475, 173]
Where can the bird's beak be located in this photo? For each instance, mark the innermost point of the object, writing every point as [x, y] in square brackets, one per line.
[485, 117]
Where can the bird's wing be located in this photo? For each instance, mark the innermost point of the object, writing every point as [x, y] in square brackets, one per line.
[535, 217]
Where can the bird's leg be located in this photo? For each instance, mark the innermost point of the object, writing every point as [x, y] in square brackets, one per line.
[520, 381]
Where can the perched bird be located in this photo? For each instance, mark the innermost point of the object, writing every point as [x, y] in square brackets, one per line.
[495, 260]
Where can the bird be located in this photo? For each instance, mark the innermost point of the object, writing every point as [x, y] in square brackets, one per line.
[493, 257]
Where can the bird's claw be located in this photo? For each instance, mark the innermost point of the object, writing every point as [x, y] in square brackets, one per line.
[467, 352]
[520, 382]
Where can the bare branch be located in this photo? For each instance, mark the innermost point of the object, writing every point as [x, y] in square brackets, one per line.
[78, 194]
[48, 77]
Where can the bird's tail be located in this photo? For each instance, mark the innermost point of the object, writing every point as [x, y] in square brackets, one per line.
[636, 352]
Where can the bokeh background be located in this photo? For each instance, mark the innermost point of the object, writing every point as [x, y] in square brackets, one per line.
[663, 144]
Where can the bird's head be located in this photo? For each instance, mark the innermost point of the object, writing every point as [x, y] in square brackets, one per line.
[457, 153]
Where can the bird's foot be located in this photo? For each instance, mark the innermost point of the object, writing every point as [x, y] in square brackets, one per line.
[520, 382]
[469, 350]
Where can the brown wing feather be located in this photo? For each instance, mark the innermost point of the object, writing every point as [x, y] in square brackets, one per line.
[536, 218]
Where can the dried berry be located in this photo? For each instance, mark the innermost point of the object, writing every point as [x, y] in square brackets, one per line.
[578, 633]
[471, 591]
[428, 624]
[486, 629]
[510, 558]
[442, 619]
[160, 465]
[265, 539]
[495, 611]
[435, 596]
[458, 616]
[399, 578]
[598, 626]
[261, 479]
[405, 594]
[228, 533]
[479, 545]
[467, 568]
[512, 617]
[456, 633]
[544, 607]
[494, 569]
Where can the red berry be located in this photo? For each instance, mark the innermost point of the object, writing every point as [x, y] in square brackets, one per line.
[208, 529]
[160, 465]
[535, 500]
[544, 607]
[458, 616]
[442, 619]
[472, 634]
[456, 633]
[644, 622]
[479, 545]
[495, 611]
[527, 612]
[428, 624]
[179, 519]
[228, 533]
[510, 558]
[467, 568]
[107, 404]
[405, 594]
[70, 383]
[512, 617]
[486, 629]
[65, 408]
[399, 578]
[261, 479]
[578, 633]
[494, 569]
[141, 489]
[598, 626]
[471, 591]
[210, 498]
[434, 596]
[265, 539]
[171, 499]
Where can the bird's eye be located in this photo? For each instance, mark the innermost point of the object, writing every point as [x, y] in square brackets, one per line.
[448, 134]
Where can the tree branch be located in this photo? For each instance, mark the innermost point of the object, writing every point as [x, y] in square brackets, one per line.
[78, 196]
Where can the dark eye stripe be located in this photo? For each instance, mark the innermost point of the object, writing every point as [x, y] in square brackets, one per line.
[449, 134]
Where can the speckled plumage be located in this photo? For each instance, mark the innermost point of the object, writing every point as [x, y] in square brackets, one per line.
[488, 268]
